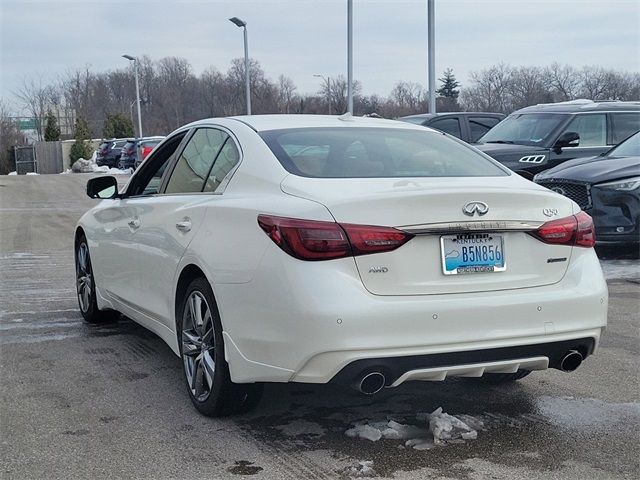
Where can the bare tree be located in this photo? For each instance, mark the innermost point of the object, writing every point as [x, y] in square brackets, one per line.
[36, 99]
[563, 81]
[286, 94]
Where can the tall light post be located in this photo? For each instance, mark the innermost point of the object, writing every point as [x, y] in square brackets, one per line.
[328, 81]
[135, 66]
[243, 25]
[350, 56]
[431, 47]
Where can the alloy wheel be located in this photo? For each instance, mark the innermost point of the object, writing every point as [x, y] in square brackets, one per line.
[198, 345]
[84, 279]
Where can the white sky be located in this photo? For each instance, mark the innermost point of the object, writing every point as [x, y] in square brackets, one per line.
[303, 37]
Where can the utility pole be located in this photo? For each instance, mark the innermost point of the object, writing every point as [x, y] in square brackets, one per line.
[350, 56]
[431, 47]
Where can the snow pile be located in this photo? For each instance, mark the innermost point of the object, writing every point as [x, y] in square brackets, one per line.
[32, 173]
[363, 469]
[13, 173]
[89, 166]
[439, 429]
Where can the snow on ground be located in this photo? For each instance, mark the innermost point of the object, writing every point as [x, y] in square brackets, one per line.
[363, 469]
[436, 428]
[13, 173]
[89, 166]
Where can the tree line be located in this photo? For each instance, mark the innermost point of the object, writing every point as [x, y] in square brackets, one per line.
[172, 94]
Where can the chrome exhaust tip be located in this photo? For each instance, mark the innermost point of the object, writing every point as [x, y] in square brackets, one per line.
[371, 383]
[571, 361]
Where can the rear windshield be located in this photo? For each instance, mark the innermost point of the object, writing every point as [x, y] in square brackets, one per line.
[150, 143]
[358, 152]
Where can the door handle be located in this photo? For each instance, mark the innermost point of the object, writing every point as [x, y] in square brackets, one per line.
[135, 223]
[184, 226]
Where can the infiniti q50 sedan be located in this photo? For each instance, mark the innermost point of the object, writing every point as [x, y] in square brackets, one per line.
[362, 252]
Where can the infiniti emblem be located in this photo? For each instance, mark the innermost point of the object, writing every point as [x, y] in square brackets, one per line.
[472, 208]
[559, 190]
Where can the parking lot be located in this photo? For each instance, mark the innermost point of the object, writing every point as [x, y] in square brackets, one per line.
[82, 401]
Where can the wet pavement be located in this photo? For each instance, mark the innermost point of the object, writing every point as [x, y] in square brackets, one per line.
[81, 401]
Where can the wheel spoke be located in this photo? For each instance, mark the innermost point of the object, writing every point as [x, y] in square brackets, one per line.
[198, 377]
[85, 297]
[209, 368]
[191, 343]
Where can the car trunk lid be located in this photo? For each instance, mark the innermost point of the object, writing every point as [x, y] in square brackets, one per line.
[432, 208]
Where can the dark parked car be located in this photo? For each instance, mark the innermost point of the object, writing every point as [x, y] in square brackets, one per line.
[109, 152]
[467, 126]
[536, 138]
[607, 187]
[136, 150]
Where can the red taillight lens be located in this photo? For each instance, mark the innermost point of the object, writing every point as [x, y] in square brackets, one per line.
[368, 239]
[586, 234]
[574, 230]
[314, 240]
[146, 151]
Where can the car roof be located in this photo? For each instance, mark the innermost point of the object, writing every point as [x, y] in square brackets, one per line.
[580, 106]
[445, 114]
[279, 122]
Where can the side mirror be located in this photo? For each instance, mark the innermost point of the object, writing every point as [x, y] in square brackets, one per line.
[567, 139]
[102, 187]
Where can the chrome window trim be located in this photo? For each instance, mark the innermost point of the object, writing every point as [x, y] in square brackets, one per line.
[475, 226]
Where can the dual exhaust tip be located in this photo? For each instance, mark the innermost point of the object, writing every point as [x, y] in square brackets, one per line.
[372, 382]
[571, 361]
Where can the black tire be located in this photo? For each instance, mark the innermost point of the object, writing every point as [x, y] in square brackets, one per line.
[86, 287]
[206, 371]
[504, 377]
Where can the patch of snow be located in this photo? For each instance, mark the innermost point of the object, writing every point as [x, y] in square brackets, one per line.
[439, 429]
[32, 173]
[89, 166]
[13, 173]
[363, 469]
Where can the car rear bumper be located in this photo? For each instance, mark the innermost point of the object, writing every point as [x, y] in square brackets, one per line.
[308, 321]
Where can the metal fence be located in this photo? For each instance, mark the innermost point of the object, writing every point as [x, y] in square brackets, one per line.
[25, 160]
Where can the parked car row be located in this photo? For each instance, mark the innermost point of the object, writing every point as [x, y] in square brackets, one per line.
[125, 153]
[567, 146]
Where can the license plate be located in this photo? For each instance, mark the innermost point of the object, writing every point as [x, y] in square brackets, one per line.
[472, 253]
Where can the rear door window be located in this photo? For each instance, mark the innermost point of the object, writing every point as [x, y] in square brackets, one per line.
[196, 161]
[625, 125]
[478, 126]
[447, 125]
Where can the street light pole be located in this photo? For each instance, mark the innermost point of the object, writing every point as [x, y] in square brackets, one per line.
[135, 66]
[431, 47]
[243, 24]
[350, 56]
[328, 80]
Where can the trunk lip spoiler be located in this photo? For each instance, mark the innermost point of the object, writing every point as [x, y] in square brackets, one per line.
[472, 226]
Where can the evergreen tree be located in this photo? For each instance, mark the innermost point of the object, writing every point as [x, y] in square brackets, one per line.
[52, 130]
[449, 88]
[81, 148]
[117, 126]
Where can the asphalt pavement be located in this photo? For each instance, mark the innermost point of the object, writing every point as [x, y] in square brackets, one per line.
[82, 401]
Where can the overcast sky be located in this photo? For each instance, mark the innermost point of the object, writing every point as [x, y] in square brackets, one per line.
[301, 37]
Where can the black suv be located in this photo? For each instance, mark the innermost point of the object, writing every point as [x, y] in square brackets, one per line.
[467, 126]
[109, 152]
[542, 136]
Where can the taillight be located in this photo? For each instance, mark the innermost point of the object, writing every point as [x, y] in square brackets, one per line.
[146, 151]
[574, 230]
[315, 240]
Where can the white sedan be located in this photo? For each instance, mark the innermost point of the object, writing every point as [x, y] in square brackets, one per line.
[363, 252]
